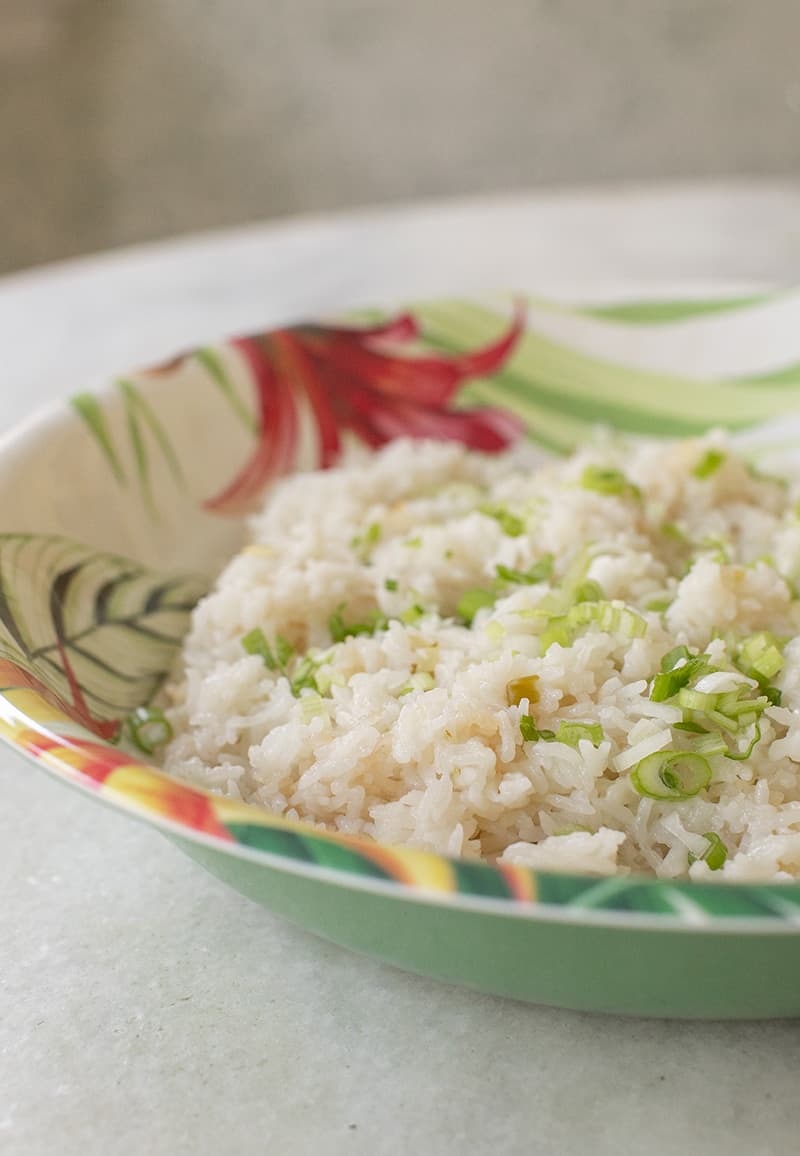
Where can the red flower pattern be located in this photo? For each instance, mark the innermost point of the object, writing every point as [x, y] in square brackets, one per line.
[355, 380]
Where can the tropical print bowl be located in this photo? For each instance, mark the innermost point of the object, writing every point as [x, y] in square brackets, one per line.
[118, 509]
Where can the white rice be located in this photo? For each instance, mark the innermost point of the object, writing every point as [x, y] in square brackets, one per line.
[413, 739]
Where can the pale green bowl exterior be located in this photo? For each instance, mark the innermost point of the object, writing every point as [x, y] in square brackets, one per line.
[633, 970]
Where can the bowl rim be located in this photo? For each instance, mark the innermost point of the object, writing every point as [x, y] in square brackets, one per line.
[141, 789]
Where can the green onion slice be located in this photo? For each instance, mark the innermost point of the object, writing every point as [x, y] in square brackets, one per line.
[572, 733]
[671, 775]
[471, 602]
[530, 732]
[149, 729]
[509, 523]
[255, 642]
[709, 463]
[716, 854]
[340, 630]
[604, 480]
[539, 572]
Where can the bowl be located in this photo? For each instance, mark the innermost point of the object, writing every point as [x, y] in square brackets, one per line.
[119, 507]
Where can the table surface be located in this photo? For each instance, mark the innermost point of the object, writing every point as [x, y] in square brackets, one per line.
[146, 1008]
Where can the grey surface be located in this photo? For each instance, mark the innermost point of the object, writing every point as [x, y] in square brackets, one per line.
[122, 121]
[147, 1009]
[144, 1008]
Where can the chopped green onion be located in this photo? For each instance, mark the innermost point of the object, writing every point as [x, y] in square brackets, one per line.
[672, 530]
[671, 775]
[471, 602]
[420, 681]
[709, 464]
[539, 572]
[760, 656]
[696, 699]
[255, 642]
[609, 616]
[391, 584]
[604, 480]
[691, 727]
[149, 728]
[716, 854]
[673, 657]
[659, 605]
[667, 685]
[368, 539]
[589, 591]
[753, 739]
[556, 631]
[494, 630]
[520, 688]
[412, 614]
[773, 694]
[710, 744]
[312, 706]
[283, 650]
[530, 732]
[572, 733]
[509, 523]
[340, 630]
[304, 677]
[569, 733]
[413, 543]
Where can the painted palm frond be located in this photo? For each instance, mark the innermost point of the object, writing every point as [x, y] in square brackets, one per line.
[668, 311]
[95, 633]
[560, 392]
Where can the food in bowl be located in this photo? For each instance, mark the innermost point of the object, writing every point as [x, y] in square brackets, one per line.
[581, 665]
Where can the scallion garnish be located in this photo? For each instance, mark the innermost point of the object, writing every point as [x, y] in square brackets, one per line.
[422, 680]
[509, 523]
[255, 642]
[589, 591]
[340, 630]
[760, 657]
[673, 657]
[278, 657]
[391, 584]
[149, 729]
[471, 602]
[671, 775]
[716, 854]
[709, 463]
[605, 480]
[530, 732]
[751, 741]
[365, 542]
[539, 572]
[412, 614]
[571, 733]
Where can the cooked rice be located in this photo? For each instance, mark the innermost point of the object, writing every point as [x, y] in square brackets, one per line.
[410, 737]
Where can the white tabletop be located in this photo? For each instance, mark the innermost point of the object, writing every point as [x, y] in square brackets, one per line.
[144, 1008]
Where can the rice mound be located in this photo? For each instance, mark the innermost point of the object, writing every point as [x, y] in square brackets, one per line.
[407, 730]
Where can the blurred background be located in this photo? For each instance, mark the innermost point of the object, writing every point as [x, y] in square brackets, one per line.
[125, 120]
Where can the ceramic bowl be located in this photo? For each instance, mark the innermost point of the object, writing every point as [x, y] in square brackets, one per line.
[118, 508]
